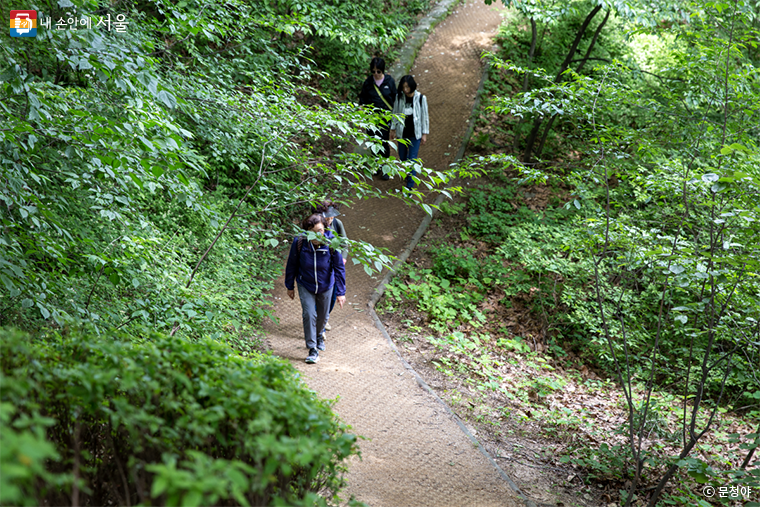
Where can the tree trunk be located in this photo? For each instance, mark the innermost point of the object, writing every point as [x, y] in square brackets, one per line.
[593, 41]
[548, 127]
[751, 452]
[526, 81]
[565, 64]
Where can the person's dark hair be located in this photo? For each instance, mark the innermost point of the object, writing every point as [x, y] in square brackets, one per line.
[377, 63]
[312, 220]
[322, 207]
[410, 81]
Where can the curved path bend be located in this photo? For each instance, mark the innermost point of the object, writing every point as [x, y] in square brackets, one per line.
[414, 453]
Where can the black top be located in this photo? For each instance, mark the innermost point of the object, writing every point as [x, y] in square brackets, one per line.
[409, 119]
[369, 95]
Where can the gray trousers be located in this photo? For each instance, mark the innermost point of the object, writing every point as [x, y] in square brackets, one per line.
[314, 309]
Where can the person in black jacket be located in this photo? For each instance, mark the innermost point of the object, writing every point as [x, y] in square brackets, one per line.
[379, 91]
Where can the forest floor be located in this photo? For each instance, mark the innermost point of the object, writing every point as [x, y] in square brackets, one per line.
[556, 406]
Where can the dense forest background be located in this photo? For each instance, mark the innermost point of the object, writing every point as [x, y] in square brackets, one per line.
[149, 176]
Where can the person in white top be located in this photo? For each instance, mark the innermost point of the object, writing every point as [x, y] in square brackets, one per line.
[412, 106]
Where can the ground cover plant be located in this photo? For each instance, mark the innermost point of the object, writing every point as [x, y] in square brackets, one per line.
[643, 274]
[493, 315]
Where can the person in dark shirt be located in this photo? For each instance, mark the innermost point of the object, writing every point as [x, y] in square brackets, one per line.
[379, 91]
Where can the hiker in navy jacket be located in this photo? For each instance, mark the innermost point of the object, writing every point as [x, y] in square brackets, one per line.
[318, 270]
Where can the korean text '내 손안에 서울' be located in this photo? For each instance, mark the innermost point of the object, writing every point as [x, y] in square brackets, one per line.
[25, 23]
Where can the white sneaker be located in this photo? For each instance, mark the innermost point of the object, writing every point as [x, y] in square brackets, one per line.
[327, 326]
[313, 356]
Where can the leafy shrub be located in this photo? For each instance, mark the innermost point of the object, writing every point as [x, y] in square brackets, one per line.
[609, 463]
[161, 420]
[451, 208]
[452, 263]
[493, 213]
[446, 306]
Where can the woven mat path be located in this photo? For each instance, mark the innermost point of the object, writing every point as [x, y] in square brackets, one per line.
[415, 454]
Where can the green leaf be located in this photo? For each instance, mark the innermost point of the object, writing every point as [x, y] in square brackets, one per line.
[160, 483]
[710, 178]
[146, 143]
[44, 311]
[167, 98]
[193, 499]
[157, 171]
[137, 180]
[7, 281]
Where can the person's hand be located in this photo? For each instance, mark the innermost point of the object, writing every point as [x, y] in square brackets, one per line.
[424, 138]
[344, 261]
[341, 300]
[291, 293]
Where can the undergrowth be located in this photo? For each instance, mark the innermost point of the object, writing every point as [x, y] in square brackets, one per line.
[505, 306]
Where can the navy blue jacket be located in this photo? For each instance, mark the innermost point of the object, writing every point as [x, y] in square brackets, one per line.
[315, 268]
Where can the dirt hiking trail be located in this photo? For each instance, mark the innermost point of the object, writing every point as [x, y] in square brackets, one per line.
[414, 454]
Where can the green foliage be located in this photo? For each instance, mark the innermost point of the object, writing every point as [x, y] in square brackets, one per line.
[148, 175]
[359, 31]
[470, 354]
[24, 453]
[455, 263]
[491, 212]
[450, 209]
[603, 463]
[445, 307]
[528, 250]
[160, 420]
[517, 345]
[665, 189]
[659, 212]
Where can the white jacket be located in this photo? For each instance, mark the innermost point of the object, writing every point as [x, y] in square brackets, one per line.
[420, 115]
